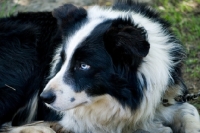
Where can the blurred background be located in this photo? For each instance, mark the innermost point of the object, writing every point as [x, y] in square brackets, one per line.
[184, 16]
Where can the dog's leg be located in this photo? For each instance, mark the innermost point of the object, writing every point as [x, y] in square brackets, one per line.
[156, 127]
[37, 127]
[182, 117]
[186, 119]
[32, 129]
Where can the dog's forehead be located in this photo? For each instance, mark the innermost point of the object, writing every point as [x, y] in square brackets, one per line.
[73, 42]
[95, 17]
[84, 31]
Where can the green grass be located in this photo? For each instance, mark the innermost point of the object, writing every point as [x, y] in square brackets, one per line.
[2, 8]
[184, 15]
[4, 11]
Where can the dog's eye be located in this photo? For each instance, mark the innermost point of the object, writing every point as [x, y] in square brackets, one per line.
[84, 66]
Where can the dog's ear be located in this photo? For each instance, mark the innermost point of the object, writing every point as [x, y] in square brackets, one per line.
[126, 42]
[68, 14]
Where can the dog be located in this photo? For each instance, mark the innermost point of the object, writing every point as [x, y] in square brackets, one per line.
[112, 70]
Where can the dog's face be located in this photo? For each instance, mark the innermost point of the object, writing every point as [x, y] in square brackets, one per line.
[98, 56]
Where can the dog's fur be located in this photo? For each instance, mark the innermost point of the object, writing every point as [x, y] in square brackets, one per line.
[109, 74]
[27, 43]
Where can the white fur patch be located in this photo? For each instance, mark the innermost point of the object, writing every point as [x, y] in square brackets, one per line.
[98, 117]
[55, 60]
[66, 97]
[73, 42]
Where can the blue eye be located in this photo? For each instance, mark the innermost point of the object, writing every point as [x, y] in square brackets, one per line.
[84, 66]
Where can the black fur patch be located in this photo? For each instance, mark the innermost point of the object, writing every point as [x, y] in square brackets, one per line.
[68, 17]
[27, 43]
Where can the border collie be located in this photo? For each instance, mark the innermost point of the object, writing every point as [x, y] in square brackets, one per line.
[112, 73]
[112, 70]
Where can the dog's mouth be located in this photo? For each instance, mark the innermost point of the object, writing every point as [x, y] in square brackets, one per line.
[64, 108]
[83, 103]
[66, 100]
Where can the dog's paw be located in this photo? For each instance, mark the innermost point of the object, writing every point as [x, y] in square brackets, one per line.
[192, 130]
[166, 130]
[160, 129]
[191, 127]
[141, 131]
[32, 129]
[59, 129]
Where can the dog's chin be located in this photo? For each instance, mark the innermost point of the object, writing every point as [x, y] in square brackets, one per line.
[65, 108]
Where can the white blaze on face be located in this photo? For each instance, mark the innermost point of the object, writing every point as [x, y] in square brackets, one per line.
[66, 97]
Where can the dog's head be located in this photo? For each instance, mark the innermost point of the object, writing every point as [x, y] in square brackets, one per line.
[99, 55]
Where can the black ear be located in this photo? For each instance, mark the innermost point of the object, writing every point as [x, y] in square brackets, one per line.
[68, 14]
[126, 42]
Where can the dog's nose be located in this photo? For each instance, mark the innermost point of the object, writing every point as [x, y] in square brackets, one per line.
[48, 96]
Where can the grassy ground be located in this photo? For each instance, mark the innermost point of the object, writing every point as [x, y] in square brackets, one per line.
[4, 11]
[184, 15]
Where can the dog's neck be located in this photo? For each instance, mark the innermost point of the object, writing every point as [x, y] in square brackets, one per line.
[104, 115]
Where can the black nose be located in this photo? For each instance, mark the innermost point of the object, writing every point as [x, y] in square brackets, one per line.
[48, 96]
